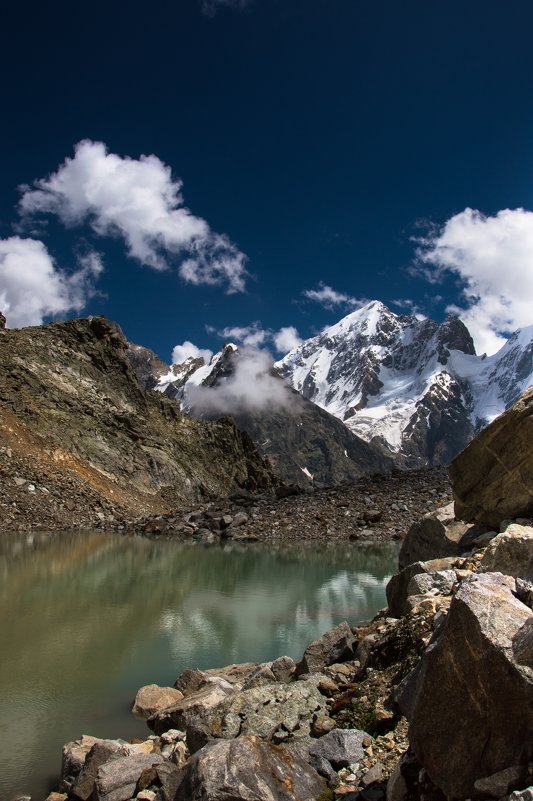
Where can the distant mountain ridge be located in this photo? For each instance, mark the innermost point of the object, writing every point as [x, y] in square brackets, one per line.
[414, 385]
[411, 388]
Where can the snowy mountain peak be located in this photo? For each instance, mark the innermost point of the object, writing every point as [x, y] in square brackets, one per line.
[416, 384]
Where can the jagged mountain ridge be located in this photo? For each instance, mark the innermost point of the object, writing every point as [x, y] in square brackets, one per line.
[302, 441]
[408, 382]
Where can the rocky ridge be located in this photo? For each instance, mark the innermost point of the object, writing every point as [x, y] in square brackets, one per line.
[429, 701]
[81, 438]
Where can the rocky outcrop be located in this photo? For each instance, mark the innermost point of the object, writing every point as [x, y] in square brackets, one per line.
[471, 688]
[511, 552]
[70, 398]
[438, 534]
[152, 698]
[420, 577]
[248, 769]
[335, 645]
[493, 477]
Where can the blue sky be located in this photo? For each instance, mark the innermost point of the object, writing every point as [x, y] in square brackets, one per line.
[194, 168]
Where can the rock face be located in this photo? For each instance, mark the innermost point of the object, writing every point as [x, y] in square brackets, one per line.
[493, 477]
[474, 689]
[248, 769]
[71, 394]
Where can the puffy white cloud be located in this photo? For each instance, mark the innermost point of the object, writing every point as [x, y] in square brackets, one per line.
[286, 339]
[252, 386]
[138, 200]
[32, 287]
[330, 298]
[251, 335]
[493, 257]
[255, 336]
[188, 350]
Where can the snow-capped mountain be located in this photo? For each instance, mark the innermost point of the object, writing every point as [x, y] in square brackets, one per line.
[303, 442]
[414, 384]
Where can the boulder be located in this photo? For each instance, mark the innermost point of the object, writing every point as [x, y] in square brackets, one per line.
[248, 769]
[191, 680]
[274, 711]
[335, 645]
[437, 534]
[102, 751]
[492, 478]
[152, 698]
[74, 755]
[503, 782]
[511, 552]
[192, 709]
[341, 747]
[117, 779]
[470, 688]
[397, 587]
[439, 583]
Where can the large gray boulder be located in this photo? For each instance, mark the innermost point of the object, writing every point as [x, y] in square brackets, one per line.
[273, 712]
[248, 769]
[511, 552]
[194, 708]
[397, 588]
[492, 478]
[102, 751]
[336, 645]
[438, 534]
[474, 688]
[341, 747]
[116, 779]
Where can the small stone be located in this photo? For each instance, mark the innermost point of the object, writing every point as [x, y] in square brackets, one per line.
[322, 724]
[146, 795]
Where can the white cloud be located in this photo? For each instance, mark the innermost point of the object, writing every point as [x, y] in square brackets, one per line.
[251, 335]
[250, 387]
[493, 257]
[32, 287]
[188, 350]
[255, 336]
[138, 200]
[330, 298]
[286, 339]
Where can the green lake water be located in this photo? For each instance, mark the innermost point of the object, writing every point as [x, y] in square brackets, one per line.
[88, 618]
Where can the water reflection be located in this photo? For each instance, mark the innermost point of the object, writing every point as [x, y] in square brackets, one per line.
[86, 619]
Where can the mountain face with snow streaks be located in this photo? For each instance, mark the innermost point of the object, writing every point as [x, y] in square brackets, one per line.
[405, 381]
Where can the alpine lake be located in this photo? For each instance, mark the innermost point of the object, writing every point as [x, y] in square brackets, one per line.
[87, 618]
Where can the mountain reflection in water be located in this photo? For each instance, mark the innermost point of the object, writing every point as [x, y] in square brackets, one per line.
[87, 618]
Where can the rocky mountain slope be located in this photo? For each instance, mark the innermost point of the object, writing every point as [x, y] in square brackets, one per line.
[410, 383]
[303, 442]
[79, 433]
